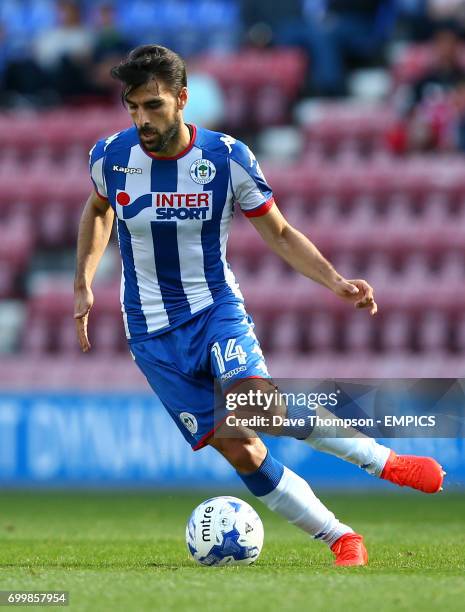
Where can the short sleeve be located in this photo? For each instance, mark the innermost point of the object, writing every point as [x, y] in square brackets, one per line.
[96, 160]
[249, 186]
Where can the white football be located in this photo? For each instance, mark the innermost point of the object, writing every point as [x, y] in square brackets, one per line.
[224, 531]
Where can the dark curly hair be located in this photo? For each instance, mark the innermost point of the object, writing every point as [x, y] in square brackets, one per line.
[148, 62]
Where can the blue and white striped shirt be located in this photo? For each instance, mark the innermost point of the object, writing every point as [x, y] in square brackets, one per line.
[173, 219]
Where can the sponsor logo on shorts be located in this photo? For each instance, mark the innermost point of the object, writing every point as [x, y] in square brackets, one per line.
[202, 171]
[189, 421]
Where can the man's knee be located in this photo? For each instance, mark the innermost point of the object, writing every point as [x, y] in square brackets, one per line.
[245, 454]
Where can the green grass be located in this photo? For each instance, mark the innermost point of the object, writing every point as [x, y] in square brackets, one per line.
[126, 551]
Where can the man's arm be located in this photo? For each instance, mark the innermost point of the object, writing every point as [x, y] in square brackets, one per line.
[302, 255]
[94, 233]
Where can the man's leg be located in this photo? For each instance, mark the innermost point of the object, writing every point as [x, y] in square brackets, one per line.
[421, 473]
[289, 495]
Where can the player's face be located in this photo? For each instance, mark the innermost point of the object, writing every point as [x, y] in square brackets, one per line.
[157, 114]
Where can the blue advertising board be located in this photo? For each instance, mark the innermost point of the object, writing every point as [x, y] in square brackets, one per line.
[129, 440]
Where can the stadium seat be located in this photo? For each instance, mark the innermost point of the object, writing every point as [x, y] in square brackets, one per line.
[414, 62]
[322, 330]
[395, 333]
[7, 280]
[358, 329]
[53, 225]
[107, 335]
[66, 338]
[258, 85]
[350, 129]
[433, 332]
[286, 334]
[36, 339]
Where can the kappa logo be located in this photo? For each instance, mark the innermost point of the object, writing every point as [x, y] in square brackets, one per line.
[228, 142]
[202, 171]
[233, 372]
[189, 421]
[126, 170]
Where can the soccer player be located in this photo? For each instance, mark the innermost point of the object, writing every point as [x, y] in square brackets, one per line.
[172, 188]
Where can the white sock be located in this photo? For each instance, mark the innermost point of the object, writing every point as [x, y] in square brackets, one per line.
[364, 452]
[358, 448]
[294, 500]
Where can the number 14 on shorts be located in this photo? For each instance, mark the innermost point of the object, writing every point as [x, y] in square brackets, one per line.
[232, 352]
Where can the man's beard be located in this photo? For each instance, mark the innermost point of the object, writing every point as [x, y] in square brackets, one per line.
[163, 140]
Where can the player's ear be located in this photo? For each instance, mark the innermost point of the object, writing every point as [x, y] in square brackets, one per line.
[182, 98]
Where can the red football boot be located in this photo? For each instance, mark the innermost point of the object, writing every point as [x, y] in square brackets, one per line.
[350, 550]
[422, 473]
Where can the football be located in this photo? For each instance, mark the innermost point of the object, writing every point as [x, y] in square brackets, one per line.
[224, 531]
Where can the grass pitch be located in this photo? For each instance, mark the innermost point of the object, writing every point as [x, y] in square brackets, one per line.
[126, 551]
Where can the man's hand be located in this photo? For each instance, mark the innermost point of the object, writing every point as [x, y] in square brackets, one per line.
[357, 291]
[83, 302]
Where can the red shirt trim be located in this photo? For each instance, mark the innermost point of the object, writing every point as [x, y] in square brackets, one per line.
[181, 154]
[260, 210]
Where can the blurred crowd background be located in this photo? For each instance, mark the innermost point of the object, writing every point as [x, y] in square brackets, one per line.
[356, 111]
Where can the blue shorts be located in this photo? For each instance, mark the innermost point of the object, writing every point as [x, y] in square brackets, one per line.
[182, 365]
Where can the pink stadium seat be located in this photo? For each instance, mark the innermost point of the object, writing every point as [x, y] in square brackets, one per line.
[7, 279]
[284, 67]
[17, 241]
[399, 208]
[414, 62]
[240, 266]
[259, 85]
[295, 207]
[322, 331]
[271, 105]
[36, 339]
[433, 332]
[416, 272]
[50, 324]
[459, 336]
[286, 334]
[395, 331]
[358, 329]
[346, 262]
[379, 271]
[107, 335]
[436, 209]
[327, 210]
[363, 213]
[452, 269]
[350, 127]
[54, 224]
[66, 336]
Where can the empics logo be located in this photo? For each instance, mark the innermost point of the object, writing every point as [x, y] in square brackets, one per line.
[168, 205]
